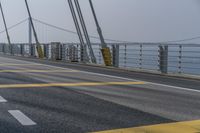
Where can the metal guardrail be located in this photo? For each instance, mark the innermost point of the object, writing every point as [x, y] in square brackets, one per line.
[169, 58]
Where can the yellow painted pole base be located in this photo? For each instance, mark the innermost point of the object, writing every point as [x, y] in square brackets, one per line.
[40, 51]
[107, 56]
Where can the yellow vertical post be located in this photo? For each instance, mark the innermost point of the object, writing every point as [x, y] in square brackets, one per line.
[107, 56]
[40, 51]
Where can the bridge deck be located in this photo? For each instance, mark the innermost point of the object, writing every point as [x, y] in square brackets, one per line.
[44, 96]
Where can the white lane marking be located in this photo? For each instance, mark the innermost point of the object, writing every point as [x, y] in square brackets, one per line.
[110, 76]
[170, 86]
[21, 118]
[175, 87]
[40, 64]
[2, 100]
[129, 79]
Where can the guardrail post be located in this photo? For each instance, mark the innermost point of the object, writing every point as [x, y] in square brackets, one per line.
[56, 50]
[63, 52]
[125, 56]
[32, 50]
[115, 51]
[141, 54]
[163, 62]
[180, 59]
[45, 51]
[82, 53]
[4, 48]
[11, 46]
[22, 49]
[100, 55]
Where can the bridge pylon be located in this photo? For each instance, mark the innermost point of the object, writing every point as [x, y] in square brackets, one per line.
[6, 28]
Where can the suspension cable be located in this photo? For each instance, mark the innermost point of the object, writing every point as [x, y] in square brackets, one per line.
[73, 32]
[13, 26]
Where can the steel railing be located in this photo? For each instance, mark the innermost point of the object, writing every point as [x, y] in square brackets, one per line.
[163, 58]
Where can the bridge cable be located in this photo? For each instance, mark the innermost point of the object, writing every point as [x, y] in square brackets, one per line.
[84, 28]
[13, 26]
[4, 21]
[73, 32]
[38, 46]
[182, 40]
[84, 55]
[94, 37]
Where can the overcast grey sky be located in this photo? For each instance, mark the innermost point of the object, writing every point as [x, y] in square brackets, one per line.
[130, 20]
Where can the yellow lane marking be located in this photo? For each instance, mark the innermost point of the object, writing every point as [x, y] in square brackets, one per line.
[35, 71]
[179, 127]
[68, 84]
[11, 64]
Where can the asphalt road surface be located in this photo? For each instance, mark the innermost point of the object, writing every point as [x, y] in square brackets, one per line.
[39, 96]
